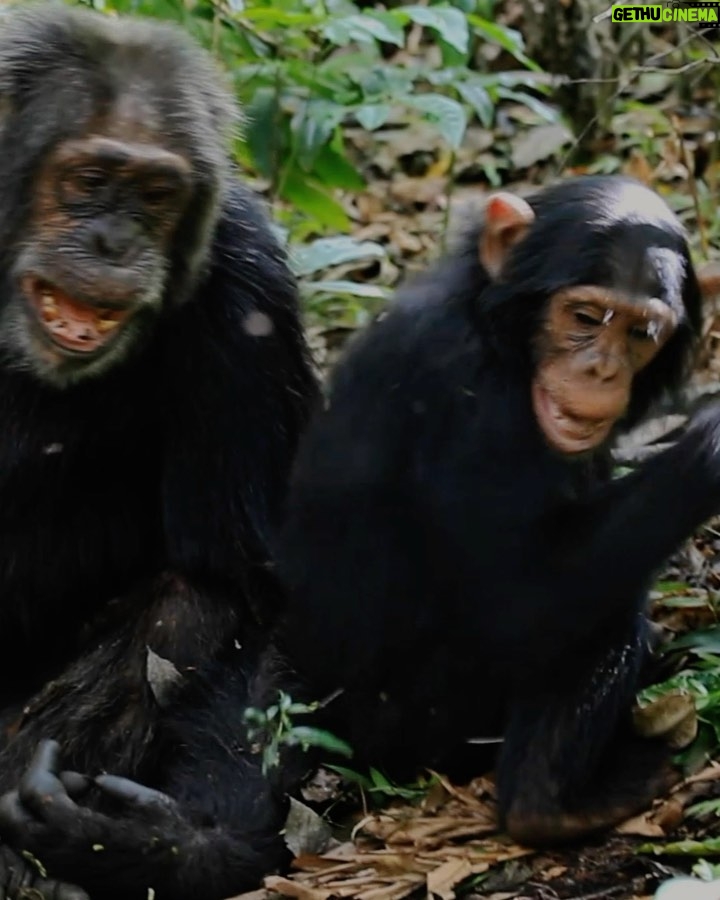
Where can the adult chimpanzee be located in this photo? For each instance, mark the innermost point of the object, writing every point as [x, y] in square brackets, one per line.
[153, 384]
[463, 562]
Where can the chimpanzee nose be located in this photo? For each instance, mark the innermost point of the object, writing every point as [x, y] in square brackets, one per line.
[604, 366]
[115, 240]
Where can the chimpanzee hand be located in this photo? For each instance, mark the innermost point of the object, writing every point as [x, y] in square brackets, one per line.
[21, 880]
[46, 816]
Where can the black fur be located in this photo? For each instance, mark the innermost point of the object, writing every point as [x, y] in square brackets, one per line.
[455, 576]
[137, 506]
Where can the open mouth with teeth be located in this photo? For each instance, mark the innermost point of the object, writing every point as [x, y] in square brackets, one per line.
[69, 323]
[564, 430]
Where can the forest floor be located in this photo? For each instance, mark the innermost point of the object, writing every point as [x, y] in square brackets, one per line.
[438, 839]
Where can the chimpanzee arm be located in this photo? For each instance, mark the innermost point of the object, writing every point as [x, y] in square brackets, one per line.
[637, 521]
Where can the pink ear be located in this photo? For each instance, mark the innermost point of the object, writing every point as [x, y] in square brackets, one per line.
[507, 219]
[505, 210]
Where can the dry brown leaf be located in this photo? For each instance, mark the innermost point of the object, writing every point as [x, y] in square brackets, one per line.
[389, 892]
[442, 881]
[553, 872]
[297, 889]
[709, 773]
[671, 717]
[657, 822]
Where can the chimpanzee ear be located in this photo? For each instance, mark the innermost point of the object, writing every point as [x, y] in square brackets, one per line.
[507, 219]
[708, 277]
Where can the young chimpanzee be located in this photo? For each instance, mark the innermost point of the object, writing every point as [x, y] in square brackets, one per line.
[462, 561]
[153, 384]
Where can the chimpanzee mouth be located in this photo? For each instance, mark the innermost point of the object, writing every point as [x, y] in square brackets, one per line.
[564, 430]
[72, 325]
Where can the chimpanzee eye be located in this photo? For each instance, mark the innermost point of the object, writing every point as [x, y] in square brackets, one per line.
[89, 180]
[85, 182]
[156, 195]
[583, 317]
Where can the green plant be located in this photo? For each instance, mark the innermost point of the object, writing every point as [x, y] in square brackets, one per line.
[377, 785]
[274, 728]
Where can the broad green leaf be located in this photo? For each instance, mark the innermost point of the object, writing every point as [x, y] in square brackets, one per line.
[708, 640]
[262, 133]
[446, 114]
[313, 127]
[450, 24]
[477, 96]
[271, 17]
[311, 198]
[537, 106]
[316, 737]
[334, 169]
[379, 780]
[373, 115]
[350, 288]
[351, 776]
[504, 37]
[333, 251]
[363, 28]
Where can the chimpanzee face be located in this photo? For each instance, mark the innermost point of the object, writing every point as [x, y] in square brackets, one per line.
[593, 343]
[93, 265]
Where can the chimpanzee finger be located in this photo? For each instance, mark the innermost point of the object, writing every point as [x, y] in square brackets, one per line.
[13, 814]
[131, 792]
[40, 788]
[76, 784]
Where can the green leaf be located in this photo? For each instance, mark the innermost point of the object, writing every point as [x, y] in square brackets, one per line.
[333, 251]
[364, 28]
[373, 115]
[446, 114]
[312, 199]
[670, 587]
[710, 846]
[317, 737]
[379, 780]
[313, 127]
[449, 23]
[272, 17]
[476, 95]
[333, 168]
[504, 37]
[262, 132]
[351, 775]
[537, 106]
[708, 640]
[348, 288]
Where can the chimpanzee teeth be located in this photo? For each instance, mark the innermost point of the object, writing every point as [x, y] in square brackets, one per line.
[48, 301]
[106, 325]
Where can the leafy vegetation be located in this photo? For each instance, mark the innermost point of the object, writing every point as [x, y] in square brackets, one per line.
[274, 728]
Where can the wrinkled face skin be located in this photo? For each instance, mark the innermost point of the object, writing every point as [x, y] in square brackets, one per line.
[592, 344]
[93, 263]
